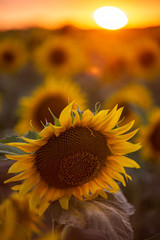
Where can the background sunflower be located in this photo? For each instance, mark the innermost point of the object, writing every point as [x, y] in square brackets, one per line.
[58, 56]
[12, 55]
[54, 94]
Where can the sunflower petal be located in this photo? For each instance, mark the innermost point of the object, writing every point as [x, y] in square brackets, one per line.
[124, 161]
[39, 142]
[65, 118]
[122, 138]
[124, 148]
[20, 166]
[25, 157]
[26, 147]
[47, 131]
[45, 202]
[64, 202]
[28, 184]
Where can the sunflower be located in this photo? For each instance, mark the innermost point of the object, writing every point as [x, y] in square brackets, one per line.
[133, 97]
[150, 134]
[117, 66]
[79, 156]
[12, 55]
[15, 215]
[52, 94]
[145, 56]
[60, 55]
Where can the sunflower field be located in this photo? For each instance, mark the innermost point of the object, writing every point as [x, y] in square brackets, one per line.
[80, 134]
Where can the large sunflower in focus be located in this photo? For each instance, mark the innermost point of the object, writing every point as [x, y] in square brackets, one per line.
[150, 134]
[54, 95]
[12, 55]
[16, 219]
[60, 55]
[133, 97]
[80, 156]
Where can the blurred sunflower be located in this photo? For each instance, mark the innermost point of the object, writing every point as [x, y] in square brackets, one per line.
[150, 135]
[16, 218]
[146, 59]
[12, 55]
[117, 66]
[133, 97]
[79, 156]
[60, 55]
[52, 94]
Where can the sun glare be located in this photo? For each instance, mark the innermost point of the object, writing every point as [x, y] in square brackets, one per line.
[111, 18]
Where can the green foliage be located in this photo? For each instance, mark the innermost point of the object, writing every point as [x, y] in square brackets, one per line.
[10, 150]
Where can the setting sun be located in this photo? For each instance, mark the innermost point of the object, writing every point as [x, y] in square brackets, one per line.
[111, 18]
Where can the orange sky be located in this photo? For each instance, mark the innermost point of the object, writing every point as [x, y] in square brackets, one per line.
[52, 13]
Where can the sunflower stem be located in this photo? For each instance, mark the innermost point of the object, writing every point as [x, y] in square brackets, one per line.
[53, 225]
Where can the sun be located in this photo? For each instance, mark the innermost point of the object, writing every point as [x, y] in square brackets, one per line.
[111, 18]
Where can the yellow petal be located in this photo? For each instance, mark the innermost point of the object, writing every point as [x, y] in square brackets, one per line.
[65, 118]
[108, 119]
[47, 131]
[100, 115]
[39, 142]
[76, 118]
[111, 123]
[114, 166]
[116, 176]
[46, 201]
[28, 184]
[25, 157]
[87, 117]
[64, 202]
[26, 147]
[122, 138]
[16, 187]
[124, 161]
[123, 129]
[77, 192]
[21, 176]
[35, 195]
[20, 166]
[110, 181]
[93, 187]
[85, 189]
[124, 148]
[103, 194]
[100, 182]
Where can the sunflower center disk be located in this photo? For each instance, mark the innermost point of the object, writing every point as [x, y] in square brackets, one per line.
[147, 59]
[8, 57]
[73, 158]
[58, 57]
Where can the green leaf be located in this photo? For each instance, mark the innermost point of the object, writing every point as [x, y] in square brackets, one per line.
[31, 135]
[10, 150]
[13, 138]
[97, 107]
[56, 120]
[37, 135]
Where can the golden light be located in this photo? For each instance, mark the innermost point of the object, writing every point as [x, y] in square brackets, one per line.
[111, 18]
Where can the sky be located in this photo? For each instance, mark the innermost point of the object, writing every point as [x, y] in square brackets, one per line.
[54, 13]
